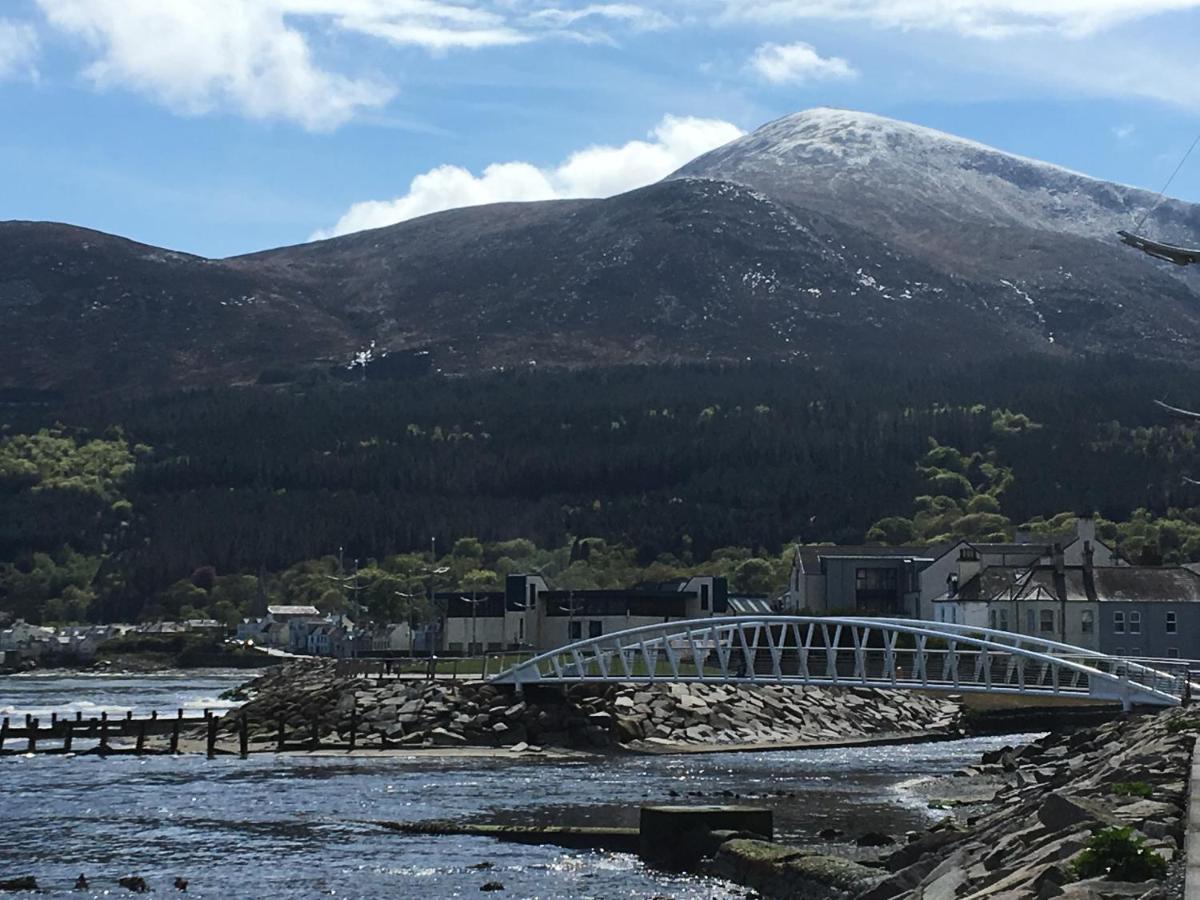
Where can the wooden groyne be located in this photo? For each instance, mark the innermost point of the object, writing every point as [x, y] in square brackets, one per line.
[59, 734]
[142, 735]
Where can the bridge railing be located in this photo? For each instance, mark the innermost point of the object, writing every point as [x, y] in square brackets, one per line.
[851, 651]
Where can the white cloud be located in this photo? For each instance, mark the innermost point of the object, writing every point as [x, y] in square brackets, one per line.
[432, 24]
[978, 18]
[797, 63]
[638, 17]
[195, 56]
[18, 49]
[255, 57]
[593, 172]
[1123, 132]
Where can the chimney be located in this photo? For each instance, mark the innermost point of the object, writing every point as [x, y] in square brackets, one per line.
[1085, 529]
[1060, 563]
[969, 564]
[1089, 558]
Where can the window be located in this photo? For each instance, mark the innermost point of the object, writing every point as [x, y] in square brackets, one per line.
[1030, 621]
[1047, 621]
[875, 579]
[1172, 653]
[1118, 623]
[521, 629]
[533, 595]
[992, 619]
[704, 596]
[1087, 622]
[876, 590]
[1172, 623]
[1135, 623]
[575, 631]
[595, 628]
[1004, 620]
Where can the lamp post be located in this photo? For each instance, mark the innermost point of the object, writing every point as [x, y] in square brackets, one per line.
[474, 618]
[412, 623]
[569, 609]
[421, 571]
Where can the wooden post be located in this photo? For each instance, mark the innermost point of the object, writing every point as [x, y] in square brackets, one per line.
[33, 736]
[103, 733]
[3, 733]
[141, 737]
[28, 720]
[68, 737]
[78, 716]
[212, 736]
[279, 740]
[129, 715]
[175, 736]
[53, 721]
[353, 725]
[154, 715]
[243, 736]
[316, 732]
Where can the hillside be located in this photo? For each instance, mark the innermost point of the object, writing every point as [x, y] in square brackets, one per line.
[826, 236]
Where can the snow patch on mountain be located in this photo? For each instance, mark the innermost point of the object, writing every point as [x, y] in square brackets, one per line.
[887, 175]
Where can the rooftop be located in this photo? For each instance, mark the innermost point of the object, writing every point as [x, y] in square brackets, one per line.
[293, 611]
[1077, 583]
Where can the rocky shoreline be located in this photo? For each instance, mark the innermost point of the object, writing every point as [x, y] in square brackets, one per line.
[1093, 814]
[314, 699]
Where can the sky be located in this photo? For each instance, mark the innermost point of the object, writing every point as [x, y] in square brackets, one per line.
[220, 127]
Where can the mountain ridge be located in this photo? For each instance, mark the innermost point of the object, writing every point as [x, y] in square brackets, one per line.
[823, 236]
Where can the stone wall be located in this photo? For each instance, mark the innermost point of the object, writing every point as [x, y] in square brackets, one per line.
[408, 713]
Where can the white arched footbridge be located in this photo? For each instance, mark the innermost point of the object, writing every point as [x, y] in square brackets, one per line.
[851, 652]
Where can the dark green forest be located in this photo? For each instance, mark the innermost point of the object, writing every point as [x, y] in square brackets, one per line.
[106, 507]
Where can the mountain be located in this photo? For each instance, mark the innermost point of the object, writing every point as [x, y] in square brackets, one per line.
[931, 192]
[827, 237]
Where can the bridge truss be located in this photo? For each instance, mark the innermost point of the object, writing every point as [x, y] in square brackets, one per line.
[896, 654]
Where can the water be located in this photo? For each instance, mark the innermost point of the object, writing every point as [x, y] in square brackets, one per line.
[304, 826]
[41, 693]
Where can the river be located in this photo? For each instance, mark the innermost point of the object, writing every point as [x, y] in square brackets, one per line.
[300, 826]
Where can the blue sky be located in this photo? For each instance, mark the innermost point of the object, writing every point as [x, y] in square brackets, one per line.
[227, 126]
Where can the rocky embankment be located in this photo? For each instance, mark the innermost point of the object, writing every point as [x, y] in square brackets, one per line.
[1058, 797]
[406, 713]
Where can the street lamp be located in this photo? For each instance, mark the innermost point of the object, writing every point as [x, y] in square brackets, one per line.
[474, 618]
[412, 623]
[349, 583]
[569, 609]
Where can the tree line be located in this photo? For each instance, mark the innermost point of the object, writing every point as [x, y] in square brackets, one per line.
[123, 500]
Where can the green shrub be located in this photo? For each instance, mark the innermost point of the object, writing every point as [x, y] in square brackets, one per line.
[1119, 855]
[1187, 723]
[1132, 789]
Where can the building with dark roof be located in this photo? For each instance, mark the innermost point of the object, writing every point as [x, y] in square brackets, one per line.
[531, 614]
[857, 580]
[1143, 611]
[958, 562]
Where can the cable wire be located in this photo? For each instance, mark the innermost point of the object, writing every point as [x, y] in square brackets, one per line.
[1162, 193]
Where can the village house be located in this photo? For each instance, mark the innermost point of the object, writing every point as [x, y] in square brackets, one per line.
[957, 562]
[906, 581]
[858, 580]
[1150, 612]
[531, 615]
